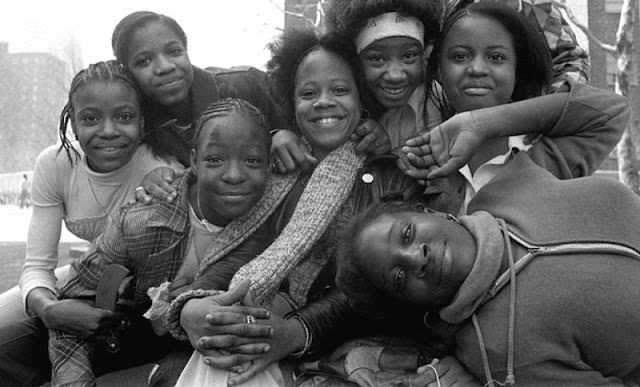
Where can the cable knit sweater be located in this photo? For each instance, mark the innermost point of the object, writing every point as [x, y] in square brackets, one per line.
[321, 202]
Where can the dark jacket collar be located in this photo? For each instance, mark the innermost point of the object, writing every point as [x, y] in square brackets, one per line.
[204, 91]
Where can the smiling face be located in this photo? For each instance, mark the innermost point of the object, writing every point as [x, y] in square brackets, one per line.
[393, 68]
[159, 62]
[327, 103]
[107, 121]
[478, 64]
[231, 165]
[415, 257]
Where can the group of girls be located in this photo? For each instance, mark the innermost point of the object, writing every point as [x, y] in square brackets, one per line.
[479, 88]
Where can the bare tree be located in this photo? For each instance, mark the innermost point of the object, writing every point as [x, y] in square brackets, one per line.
[304, 14]
[626, 84]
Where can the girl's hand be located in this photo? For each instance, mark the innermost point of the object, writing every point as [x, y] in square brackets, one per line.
[215, 323]
[450, 373]
[447, 147]
[156, 185]
[288, 338]
[371, 138]
[288, 153]
[78, 317]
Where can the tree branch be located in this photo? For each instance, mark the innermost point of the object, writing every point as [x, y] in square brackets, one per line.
[296, 14]
[609, 48]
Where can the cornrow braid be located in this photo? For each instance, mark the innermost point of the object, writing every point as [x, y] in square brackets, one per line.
[109, 71]
[227, 106]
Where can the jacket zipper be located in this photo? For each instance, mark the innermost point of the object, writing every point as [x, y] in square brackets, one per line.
[562, 248]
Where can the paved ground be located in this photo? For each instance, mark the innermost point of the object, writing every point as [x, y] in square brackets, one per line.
[14, 224]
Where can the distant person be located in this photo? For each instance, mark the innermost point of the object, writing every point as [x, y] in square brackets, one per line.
[25, 192]
[83, 183]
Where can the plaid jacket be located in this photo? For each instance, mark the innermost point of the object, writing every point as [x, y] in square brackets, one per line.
[570, 61]
[151, 241]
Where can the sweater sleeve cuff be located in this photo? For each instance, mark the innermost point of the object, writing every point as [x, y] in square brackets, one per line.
[175, 308]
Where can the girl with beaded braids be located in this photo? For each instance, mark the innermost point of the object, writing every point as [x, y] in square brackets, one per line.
[153, 47]
[318, 80]
[82, 183]
[221, 218]
[217, 221]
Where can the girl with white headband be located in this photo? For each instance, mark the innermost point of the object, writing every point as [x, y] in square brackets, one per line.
[393, 40]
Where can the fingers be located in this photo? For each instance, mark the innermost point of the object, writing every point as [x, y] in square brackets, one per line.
[157, 185]
[419, 140]
[294, 159]
[371, 138]
[232, 343]
[289, 153]
[417, 173]
[234, 295]
[284, 162]
[451, 166]
[241, 329]
[161, 190]
[422, 162]
[240, 368]
[235, 315]
[227, 361]
[250, 372]
[142, 196]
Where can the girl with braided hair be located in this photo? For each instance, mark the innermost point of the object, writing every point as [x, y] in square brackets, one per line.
[318, 80]
[83, 183]
[221, 219]
[153, 47]
[216, 221]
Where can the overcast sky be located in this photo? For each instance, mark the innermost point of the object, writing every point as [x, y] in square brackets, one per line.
[220, 32]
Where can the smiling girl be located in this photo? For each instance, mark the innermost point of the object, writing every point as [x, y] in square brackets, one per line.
[82, 183]
[495, 70]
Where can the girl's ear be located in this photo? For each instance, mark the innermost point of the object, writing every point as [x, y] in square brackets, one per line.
[426, 53]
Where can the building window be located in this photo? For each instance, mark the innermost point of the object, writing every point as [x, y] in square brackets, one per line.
[612, 6]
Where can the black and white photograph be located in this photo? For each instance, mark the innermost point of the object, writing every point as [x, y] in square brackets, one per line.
[315, 193]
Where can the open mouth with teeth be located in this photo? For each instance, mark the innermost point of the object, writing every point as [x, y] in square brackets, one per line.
[394, 91]
[327, 122]
[110, 148]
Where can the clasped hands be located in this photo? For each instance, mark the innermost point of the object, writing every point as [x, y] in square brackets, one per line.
[219, 329]
[444, 149]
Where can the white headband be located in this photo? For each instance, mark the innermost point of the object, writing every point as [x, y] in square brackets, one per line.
[388, 25]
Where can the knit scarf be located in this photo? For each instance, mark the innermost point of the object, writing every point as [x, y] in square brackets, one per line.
[485, 269]
[239, 229]
[327, 190]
